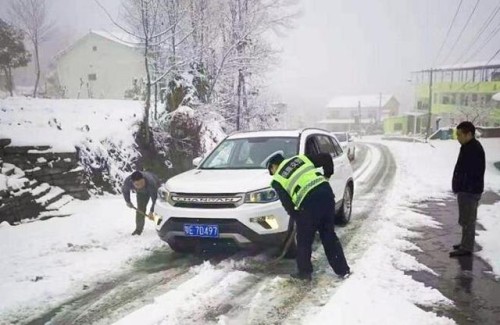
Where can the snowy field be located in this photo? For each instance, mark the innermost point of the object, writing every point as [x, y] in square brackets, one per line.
[100, 128]
[64, 124]
[46, 263]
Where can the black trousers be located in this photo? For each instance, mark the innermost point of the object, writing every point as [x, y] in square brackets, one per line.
[317, 214]
[467, 215]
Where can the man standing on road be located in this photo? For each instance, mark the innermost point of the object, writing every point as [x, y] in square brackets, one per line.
[468, 184]
[309, 200]
[146, 185]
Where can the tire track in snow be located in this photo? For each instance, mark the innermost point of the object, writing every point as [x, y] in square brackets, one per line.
[239, 291]
[160, 271]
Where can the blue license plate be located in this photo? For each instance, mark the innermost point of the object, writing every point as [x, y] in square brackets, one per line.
[211, 231]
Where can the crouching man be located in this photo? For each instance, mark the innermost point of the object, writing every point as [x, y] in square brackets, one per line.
[146, 186]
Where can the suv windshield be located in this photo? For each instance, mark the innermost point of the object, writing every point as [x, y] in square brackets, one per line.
[341, 137]
[249, 153]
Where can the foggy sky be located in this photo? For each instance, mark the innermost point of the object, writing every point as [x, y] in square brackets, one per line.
[350, 47]
[338, 47]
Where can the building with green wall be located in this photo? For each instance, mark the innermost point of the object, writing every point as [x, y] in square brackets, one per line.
[459, 92]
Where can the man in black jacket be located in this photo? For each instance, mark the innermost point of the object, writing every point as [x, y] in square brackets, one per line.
[468, 184]
[309, 200]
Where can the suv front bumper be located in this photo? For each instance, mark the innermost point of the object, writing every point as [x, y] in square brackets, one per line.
[236, 225]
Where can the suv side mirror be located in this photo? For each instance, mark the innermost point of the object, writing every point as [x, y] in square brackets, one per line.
[197, 161]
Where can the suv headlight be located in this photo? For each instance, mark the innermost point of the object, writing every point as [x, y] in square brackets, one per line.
[163, 194]
[262, 196]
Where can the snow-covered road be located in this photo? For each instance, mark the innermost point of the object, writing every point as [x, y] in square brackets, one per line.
[114, 278]
[233, 288]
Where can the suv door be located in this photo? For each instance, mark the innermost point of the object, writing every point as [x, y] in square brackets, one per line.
[337, 181]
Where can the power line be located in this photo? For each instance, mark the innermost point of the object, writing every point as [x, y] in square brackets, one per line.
[462, 31]
[494, 56]
[493, 33]
[448, 32]
[478, 35]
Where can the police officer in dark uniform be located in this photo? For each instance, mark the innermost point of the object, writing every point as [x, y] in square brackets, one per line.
[309, 200]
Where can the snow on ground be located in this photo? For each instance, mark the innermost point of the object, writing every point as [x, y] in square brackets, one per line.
[208, 287]
[45, 263]
[64, 123]
[429, 172]
[378, 291]
[102, 129]
[489, 217]
[48, 262]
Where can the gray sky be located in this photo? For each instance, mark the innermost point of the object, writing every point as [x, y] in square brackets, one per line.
[363, 46]
[340, 47]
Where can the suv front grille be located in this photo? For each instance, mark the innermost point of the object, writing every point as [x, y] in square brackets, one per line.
[206, 201]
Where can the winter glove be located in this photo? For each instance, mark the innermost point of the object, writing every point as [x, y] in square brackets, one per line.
[151, 216]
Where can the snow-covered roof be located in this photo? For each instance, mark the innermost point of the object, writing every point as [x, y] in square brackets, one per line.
[467, 66]
[366, 101]
[119, 37]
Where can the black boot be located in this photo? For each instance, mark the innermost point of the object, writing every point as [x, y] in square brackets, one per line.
[136, 233]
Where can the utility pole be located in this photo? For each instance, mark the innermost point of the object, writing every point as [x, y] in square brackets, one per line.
[430, 105]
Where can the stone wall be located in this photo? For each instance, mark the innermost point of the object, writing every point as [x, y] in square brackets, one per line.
[55, 168]
[36, 183]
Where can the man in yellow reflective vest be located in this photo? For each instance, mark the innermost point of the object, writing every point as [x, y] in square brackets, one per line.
[309, 200]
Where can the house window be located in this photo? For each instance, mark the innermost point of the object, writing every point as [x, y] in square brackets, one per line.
[398, 126]
[94, 48]
[445, 100]
[474, 97]
[92, 77]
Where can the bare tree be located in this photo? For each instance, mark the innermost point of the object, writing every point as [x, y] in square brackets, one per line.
[245, 50]
[142, 23]
[31, 17]
[477, 114]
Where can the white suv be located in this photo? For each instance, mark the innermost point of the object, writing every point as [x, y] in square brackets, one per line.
[227, 199]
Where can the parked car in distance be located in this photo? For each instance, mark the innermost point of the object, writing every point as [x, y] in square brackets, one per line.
[346, 142]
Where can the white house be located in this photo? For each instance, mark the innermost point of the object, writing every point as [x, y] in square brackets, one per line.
[100, 65]
[346, 113]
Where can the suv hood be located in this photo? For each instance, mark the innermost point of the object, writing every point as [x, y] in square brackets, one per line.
[210, 181]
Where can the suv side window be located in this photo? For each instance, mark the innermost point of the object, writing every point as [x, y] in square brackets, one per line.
[311, 148]
[337, 146]
[325, 145]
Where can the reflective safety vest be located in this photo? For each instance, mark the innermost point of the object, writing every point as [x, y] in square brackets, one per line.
[298, 176]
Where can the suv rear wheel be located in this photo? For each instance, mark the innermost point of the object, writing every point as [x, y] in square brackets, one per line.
[344, 215]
